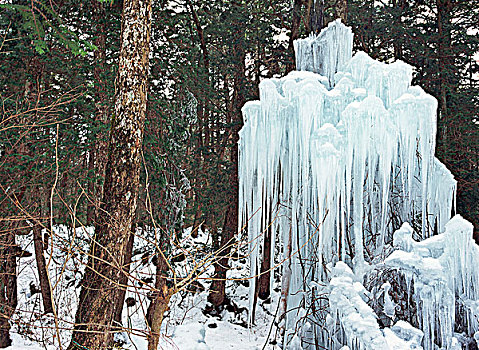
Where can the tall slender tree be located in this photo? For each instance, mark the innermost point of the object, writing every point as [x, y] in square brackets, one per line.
[217, 295]
[100, 288]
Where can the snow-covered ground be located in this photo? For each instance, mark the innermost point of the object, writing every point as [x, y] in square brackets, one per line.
[185, 327]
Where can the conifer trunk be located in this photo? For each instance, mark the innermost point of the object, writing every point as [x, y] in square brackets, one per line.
[39, 247]
[97, 158]
[217, 295]
[444, 54]
[159, 303]
[315, 15]
[444, 64]
[295, 23]
[100, 284]
[264, 281]
[8, 283]
[124, 280]
[45, 287]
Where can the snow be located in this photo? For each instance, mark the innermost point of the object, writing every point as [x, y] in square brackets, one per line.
[356, 318]
[403, 336]
[191, 336]
[186, 327]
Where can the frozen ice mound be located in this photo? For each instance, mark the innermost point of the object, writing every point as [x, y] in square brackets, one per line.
[331, 158]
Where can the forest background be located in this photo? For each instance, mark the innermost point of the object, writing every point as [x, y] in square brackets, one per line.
[58, 80]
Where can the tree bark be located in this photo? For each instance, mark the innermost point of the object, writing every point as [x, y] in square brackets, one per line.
[45, 286]
[316, 15]
[8, 283]
[285, 282]
[398, 9]
[444, 53]
[264, 282]
[97, 156]
[100, 284]
[444, 63]
[39, 247]
[124, 280]
[159, 303]
[295, 22]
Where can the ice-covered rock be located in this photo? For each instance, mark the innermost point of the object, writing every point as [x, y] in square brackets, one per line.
[357, 320]
[403, 336]
[408, 333]
[443, 269]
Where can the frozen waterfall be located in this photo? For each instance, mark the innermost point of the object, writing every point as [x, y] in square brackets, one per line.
[333, 159]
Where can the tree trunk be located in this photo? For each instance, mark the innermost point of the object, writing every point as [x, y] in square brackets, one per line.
[286, 282]
[444, 53]
[316, 15]
[45, 286]
[159, 303]
[295, 22]
[97, 158]
[398, 9]
[264, 282]
[8, 266]
[8, 283]
[217, 294]
[444, 63]
[39, 247]
[100, 284]
[124, 279]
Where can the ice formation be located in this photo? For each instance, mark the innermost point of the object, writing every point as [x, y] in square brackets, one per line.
[333, 158]
[442, 268]
[357, 320]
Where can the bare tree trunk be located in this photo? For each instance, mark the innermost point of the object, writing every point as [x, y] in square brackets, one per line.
[8, 266]
[97, 157]
[159, 303]
[397, 44]
[444, 8]
[8, 283]
[295, 22]
[264, 281]
[100, 284]
[444, 62]
[217, 294]
[45, 286]
[316, 15]
[286, 281]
